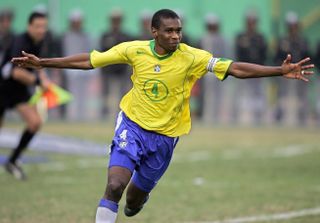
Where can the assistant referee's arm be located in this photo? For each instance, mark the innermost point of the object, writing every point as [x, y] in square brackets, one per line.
[24, 76]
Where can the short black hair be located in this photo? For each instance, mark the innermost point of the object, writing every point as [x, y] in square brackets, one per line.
[163, 13]
[36, 15]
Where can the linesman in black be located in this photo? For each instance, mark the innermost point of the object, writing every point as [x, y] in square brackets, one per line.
[17, 85]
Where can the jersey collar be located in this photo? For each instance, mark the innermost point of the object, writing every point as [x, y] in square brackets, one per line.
[152, 46]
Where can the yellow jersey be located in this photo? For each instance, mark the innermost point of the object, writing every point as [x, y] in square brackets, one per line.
[159, 98]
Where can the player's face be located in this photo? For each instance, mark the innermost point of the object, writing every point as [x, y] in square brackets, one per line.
[169, 34]
[38, 29]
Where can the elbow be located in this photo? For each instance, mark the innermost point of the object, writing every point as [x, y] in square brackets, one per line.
[237, 74]
[83, 65]
[87, 66]
[240, 75]
[236, 69]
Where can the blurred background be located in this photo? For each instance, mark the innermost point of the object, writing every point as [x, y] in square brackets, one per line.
[260, 31]
[254, 149]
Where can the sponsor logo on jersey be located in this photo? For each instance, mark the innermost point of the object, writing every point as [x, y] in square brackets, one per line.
[139, 52]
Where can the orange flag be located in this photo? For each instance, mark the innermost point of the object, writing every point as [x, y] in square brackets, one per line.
[52, 97]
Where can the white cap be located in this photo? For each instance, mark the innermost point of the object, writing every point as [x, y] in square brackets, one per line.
[116, 13]
[40, 8]
[212, 19]
[251, 14]
[146, 14]
[180, 13]
[76, 15]
[292, 18]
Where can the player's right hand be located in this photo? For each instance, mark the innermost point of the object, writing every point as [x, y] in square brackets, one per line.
[27, 61]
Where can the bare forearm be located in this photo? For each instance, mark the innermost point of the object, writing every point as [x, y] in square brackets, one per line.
[78, 61]
[249, 70]
[24, 76]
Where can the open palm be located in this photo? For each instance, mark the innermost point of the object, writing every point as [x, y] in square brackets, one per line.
[299, 70]
[27, 61]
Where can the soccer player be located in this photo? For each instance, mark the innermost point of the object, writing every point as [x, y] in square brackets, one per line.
[15, 83]
[155, 112]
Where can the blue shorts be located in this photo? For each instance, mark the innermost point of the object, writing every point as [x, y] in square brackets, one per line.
[145, 153]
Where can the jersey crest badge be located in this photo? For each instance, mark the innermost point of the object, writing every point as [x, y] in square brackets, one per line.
[157, 68]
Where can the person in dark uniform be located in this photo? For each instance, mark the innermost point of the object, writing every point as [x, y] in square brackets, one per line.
[114, 78]
[317, 63]
[297, 45]
[317, 56]
[251, 47]
[16, 86]
[145, 24]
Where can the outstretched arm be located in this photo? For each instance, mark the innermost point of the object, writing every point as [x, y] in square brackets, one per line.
[299, 70]
[78, 61]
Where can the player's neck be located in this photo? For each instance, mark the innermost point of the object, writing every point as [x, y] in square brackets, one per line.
[159, 50]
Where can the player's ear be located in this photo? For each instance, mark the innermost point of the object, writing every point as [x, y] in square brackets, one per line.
[154, 32]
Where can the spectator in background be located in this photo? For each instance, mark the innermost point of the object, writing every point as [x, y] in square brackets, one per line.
[114, 78]
[292, 97]
[74, 41]
[317, 97]
[195, 99]
[185, 38]
[145, 23]
[6, 33]
[212, 89]
[317, 56]
[251, 47]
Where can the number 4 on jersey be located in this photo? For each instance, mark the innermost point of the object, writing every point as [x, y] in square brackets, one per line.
[155, 90]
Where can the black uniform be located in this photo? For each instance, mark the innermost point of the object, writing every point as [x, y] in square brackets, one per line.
[107, 41]
[114, 74]
[252, 48]
[6, 40]
[13, 92]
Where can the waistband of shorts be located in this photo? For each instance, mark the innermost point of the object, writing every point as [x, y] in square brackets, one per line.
[130, 122]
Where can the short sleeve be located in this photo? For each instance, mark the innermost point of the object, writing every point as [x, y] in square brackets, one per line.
[219, 66]
[200, 63]
[116, 55]
[204, 62]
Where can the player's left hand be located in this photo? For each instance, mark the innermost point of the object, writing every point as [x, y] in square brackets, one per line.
[299, 70]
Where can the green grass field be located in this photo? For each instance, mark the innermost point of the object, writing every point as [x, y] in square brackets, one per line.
[216, 174]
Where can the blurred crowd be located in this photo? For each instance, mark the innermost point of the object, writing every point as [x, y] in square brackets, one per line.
[257, 101]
